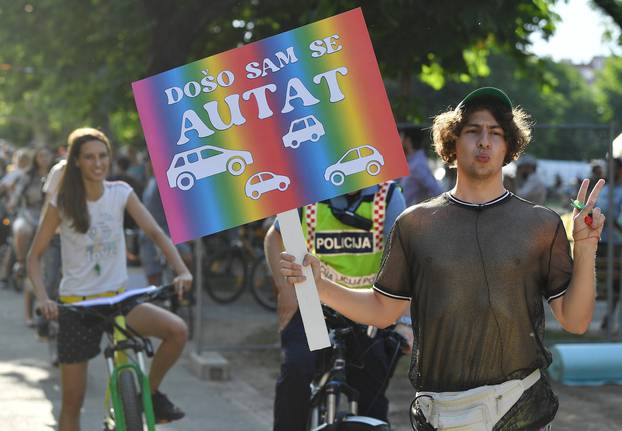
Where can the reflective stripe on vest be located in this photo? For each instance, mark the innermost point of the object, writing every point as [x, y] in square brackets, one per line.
[350, 256]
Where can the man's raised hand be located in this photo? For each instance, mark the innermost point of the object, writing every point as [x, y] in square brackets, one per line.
[588, 219]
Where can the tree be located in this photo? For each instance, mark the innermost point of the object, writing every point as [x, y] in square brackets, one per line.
[71, 62]
[433, 42]
[608, 83]
[613, 8]
[555, 94]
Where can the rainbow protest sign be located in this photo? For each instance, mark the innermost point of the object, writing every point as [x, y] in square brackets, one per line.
[274, 125]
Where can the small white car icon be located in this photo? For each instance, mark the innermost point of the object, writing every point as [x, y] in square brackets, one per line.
[302, 130]
[192, 165]
[263, 182]
[359, 159]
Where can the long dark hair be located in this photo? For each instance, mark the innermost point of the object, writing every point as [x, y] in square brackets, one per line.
[71, 194]
[31, 177]
[33, 172]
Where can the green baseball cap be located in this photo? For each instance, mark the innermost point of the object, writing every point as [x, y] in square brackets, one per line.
[486, 93]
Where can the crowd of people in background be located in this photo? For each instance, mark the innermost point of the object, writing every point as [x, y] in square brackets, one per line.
[428, 177]
[23, 171]
[26, 175]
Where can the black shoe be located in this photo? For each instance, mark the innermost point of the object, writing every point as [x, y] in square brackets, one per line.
[164, 410]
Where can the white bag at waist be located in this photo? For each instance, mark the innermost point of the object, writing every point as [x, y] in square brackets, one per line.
[477, 409]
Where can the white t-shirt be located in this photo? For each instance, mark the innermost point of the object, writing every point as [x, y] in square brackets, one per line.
[95, 262]
[53, 179]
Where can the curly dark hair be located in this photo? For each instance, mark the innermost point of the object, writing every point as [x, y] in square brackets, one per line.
[516, 125]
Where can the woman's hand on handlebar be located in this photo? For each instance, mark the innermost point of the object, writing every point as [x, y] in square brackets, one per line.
[183, 283]
[49, 309]
[292, 271]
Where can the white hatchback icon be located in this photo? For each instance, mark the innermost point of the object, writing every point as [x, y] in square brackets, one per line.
[302, 130]
[192, 165]
[263, 182]
[359, 159]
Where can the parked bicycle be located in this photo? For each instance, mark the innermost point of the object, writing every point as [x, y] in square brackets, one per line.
[128, 396]
[334, 403]
[234, 261]
[47, 330]
[262, 284]
[225, 267]
[184, 307]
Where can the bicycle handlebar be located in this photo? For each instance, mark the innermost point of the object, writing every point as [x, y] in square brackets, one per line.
[149, 293]
[336, 321]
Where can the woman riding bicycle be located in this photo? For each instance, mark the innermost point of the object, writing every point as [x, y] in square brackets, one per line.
[27, 200]
[89, 211]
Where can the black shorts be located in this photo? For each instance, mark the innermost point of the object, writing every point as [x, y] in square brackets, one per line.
[80, 334]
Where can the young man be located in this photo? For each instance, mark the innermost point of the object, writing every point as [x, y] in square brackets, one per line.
[348, 234]
[476, 263]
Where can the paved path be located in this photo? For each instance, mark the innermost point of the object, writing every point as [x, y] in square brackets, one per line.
[30, 393]
[30, 398]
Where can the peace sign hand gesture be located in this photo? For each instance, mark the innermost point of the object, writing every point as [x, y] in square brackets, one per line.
[588, 221]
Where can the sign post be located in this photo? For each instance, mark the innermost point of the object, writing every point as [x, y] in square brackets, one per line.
[306, 292]
[294, 119]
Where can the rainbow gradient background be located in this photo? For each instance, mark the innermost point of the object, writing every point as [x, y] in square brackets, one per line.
[218, 202]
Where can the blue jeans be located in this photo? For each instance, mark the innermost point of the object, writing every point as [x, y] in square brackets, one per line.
[369, 361]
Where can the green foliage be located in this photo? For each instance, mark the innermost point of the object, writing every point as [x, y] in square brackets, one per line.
[556, 96]
[68, 63]
[609, 89]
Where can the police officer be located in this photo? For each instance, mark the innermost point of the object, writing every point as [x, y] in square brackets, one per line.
[347, 234]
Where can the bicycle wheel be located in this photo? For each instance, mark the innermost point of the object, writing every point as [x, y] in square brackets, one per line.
[53, 343]
[132, 409]
[14, 281]
[186, 313]
[362, 423]
[262, 285]
[225, 276]
[6, 264]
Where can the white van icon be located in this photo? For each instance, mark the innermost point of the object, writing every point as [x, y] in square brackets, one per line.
[192, 165]
[263, 182]
[359, 159]
[302, 130]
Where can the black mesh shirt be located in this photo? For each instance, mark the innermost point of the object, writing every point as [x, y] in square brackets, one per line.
[477, 275]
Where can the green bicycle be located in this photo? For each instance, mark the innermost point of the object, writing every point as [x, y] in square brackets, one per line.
[125, 358]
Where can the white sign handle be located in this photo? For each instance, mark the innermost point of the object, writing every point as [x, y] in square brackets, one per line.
[306, 292]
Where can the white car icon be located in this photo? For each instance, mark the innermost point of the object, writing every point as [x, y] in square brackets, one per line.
[359, 159]
[192, 165]
[302, 130]
[263, 182]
